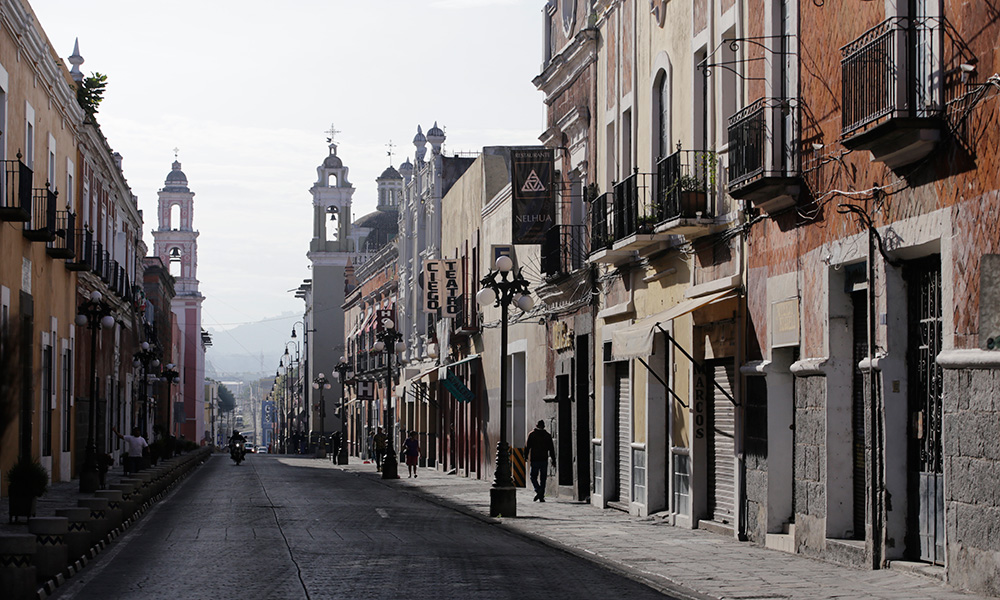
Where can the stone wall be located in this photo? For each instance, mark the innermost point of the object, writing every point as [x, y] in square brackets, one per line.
[971, 471]
[809, 466]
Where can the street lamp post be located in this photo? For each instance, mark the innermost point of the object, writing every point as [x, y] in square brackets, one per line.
[501, 288]
[391, 341]
[94, 314]
[343, 369]
[321, 383]
[146, 357]
[170, 376]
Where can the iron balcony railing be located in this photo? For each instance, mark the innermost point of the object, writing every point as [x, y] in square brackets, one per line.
[114, 276]
[564, 249]
[83, 251]
[633, 211]
[41, 227]
[63, 245]
[600, 219]
[761, 142]
[15, 191]
[889, 72]
[106, 267]
[97, 264]
[685, 184]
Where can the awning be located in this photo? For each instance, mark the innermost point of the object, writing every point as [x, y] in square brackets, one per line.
[364, 324]
[442, 371]
[637, 339]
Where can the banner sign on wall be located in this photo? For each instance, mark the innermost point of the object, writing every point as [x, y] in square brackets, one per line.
[533, 201]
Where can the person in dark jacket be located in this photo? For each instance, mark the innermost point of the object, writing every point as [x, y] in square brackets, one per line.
[538, 448]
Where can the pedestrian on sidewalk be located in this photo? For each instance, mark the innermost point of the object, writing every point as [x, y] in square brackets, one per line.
[538, 448]
[133, 446]
[411, 448]
[378, 443]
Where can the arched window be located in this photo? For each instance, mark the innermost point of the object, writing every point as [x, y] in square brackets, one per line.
[175, 216]
[175, 262]
[662, 114]
[331, 180]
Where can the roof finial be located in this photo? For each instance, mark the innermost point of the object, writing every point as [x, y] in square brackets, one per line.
[176, 150]
[332, 134]
[76, 60]
[390, 146]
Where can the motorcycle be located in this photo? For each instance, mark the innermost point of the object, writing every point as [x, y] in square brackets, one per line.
[236, 452]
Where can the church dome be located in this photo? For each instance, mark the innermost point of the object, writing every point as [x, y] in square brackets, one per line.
[435, 133]
[390, 173]
[419, 138]
[333, 162]
[176, 179]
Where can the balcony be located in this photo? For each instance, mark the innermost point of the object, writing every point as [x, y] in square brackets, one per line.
[97, 265]
[564, 250]
[15, 191]
[41, 227]
[83, 250]
[891, 92]
[63, 246]
[605, 217]
[685, 193]
[763, 166]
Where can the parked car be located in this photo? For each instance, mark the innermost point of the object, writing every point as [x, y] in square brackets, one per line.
[249, 447]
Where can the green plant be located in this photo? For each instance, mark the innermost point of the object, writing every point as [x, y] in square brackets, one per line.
[29, 476]
[90, 93]
[690, 183]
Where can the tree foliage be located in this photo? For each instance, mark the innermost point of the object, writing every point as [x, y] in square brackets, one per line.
[227, 401]
[90, 93]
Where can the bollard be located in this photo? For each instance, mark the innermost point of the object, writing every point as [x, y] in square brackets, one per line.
[17, 566]
[99, 525]
[51, 553]
[129, 496]
[78, 534]
[114, 498]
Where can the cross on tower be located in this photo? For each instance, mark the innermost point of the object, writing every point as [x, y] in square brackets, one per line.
[332, 133]
[390, 146]
[176, 150]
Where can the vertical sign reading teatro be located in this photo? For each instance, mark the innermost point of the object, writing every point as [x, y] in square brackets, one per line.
[533, 206]
[442, 288]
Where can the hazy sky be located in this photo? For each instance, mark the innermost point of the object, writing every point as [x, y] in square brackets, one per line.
[246, 89]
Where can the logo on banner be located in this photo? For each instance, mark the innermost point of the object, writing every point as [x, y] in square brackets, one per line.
[366, 390]
[533, 183]
[533, 202]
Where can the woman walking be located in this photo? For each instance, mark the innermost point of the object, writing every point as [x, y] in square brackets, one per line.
[411, 449]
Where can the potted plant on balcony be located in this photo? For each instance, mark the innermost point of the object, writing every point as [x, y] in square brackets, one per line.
[28, 480]
[646, 224]
[692, 196]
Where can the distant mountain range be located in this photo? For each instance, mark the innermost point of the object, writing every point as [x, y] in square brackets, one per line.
[252, 350]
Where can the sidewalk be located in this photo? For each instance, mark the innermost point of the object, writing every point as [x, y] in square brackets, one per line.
[61, 494]
[671, 559]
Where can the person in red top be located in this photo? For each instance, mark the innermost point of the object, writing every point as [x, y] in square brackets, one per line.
[538, 448]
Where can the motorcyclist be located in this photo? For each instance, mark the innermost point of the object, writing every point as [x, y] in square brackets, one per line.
[236, 442]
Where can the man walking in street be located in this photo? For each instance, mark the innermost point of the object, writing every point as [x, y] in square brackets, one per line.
[538, 448]
[378, 442]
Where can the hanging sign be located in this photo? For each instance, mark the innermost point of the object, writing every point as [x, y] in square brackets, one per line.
[532, 202]
[442, 287]
[432, 286]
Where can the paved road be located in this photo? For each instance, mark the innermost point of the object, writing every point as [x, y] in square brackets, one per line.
[282, 529]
